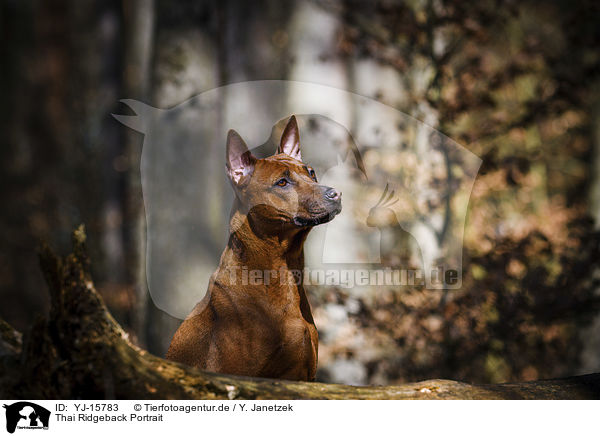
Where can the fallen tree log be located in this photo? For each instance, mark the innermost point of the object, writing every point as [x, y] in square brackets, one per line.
[80, 351]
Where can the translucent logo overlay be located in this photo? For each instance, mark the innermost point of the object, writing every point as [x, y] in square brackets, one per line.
[405, 186]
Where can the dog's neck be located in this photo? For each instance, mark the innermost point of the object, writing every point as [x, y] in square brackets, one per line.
[256, 246]
[259, 246]
[252, 247]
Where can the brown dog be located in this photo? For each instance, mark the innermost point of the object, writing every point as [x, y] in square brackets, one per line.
[255, 319]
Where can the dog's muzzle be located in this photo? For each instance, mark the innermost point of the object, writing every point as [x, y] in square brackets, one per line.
[315, 220]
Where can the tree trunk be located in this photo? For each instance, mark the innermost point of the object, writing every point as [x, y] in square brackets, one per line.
[81, 352]
[138, 25]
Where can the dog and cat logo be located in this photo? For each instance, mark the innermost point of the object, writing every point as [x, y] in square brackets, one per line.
[26, 415]
[356, 144]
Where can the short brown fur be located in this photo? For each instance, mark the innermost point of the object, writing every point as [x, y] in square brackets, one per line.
[261, 328]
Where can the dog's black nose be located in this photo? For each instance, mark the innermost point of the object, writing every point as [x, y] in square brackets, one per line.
[333, 195]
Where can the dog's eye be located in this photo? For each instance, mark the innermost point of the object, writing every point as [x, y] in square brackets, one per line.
[311, 173]
[281, 182]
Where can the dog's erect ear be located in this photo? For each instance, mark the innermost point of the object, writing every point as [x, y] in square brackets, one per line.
[240, 162]
[290, 140]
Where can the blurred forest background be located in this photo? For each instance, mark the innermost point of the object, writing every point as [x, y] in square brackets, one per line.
[515, 82]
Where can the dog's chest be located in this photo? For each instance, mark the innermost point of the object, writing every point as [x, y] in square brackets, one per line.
[298, 349]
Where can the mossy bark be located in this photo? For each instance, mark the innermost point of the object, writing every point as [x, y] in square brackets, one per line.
[80, 351]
